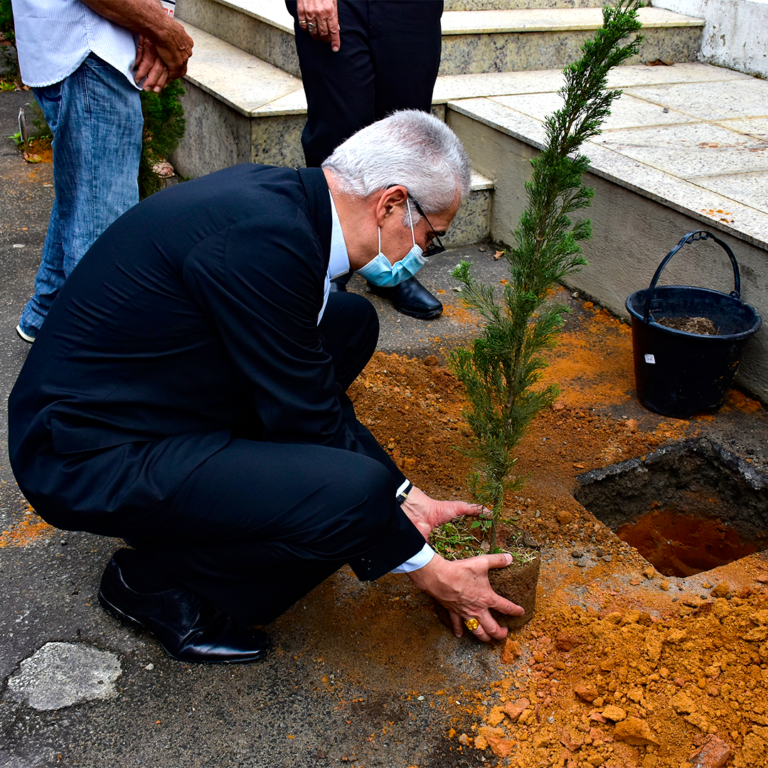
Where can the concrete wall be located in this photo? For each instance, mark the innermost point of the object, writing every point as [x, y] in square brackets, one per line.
[735, 31]
[218, 136]
[632, 234]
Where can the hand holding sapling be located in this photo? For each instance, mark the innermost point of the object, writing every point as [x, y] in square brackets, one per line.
[427, 513]
[462, 587]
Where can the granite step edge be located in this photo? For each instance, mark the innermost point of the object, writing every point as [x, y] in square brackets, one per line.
[481, 22]
[750, 224]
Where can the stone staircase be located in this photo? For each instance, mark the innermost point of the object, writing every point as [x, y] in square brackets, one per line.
[245, 102]
[685, 148]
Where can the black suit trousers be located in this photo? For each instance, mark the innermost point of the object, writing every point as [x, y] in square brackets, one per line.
[388, 60]
[258, 524]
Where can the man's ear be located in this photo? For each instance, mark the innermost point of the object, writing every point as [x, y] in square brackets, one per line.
[391, 199]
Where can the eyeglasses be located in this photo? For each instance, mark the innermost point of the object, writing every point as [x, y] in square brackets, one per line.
[436, 246]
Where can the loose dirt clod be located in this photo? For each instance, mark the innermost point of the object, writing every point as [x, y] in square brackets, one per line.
[713, 753]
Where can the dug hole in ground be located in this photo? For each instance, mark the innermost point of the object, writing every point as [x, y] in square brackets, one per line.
[622, 665]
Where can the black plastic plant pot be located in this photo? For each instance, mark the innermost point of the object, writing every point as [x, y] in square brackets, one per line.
[679, 373]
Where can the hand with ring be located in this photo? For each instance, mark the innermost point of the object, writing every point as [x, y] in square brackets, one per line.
[463, 588]
[320, 19]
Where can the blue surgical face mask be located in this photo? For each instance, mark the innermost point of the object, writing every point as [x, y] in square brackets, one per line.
[380, 272]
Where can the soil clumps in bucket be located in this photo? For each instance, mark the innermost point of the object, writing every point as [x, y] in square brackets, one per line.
[701, 325]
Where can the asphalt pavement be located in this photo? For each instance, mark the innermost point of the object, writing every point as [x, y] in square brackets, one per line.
[361, 673]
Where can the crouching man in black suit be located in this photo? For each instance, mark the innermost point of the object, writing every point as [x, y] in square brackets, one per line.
[187, 394]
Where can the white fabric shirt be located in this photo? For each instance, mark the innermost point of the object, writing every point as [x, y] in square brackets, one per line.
[338, 264]
[54, 37]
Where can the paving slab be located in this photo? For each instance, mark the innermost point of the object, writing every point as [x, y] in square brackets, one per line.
[450, 87]
[495, 5]
[625, 113]
[689, 150]
[709, 101]
[552, 19]
[757, 127]
[748, 188]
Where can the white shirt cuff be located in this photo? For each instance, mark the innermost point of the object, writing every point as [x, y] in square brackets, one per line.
[419, 560]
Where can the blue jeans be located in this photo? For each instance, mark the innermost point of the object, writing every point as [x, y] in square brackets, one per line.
[95, 117]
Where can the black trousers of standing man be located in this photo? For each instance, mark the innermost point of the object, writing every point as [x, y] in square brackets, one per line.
[388, 60]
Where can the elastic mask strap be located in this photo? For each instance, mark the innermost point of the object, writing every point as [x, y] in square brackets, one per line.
[410, 220]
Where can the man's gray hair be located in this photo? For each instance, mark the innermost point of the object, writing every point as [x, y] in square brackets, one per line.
[410, 148]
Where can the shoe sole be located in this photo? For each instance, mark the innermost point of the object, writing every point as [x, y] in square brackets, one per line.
[427, 315]
[29, 339]
[420, 315]
[116, 613]
[125, 618]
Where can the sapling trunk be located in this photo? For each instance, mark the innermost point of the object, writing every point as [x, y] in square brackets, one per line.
[497, 512]
[501, 370]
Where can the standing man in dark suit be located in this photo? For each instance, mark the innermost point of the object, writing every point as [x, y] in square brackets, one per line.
[187, 394]
[360, 61]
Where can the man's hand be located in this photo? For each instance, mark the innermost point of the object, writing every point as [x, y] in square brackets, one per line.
[324, 15]
[174, 48]
[463, 588]
[426, 513]
[150, 66]
[147, 17]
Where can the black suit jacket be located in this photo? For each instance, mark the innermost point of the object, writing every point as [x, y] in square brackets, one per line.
[193, 318]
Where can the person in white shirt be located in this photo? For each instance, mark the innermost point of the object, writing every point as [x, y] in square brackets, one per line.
[86, 62]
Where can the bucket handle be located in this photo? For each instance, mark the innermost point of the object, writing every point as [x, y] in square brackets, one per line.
[690, 238]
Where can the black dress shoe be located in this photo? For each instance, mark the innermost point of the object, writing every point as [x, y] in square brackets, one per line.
[188, 627]
[411, 298]
[340, 283]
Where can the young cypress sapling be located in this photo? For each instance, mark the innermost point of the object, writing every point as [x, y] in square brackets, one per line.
[501, 369]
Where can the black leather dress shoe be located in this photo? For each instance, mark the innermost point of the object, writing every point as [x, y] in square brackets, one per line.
[340, 283]
[411, 298]
[188, 627]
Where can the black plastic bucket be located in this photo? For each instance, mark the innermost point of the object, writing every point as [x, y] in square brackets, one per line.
[679, 373]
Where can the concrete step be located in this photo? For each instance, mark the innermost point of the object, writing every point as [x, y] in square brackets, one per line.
[474, 41]
[240, 109]
[477, 42]
[685, 148]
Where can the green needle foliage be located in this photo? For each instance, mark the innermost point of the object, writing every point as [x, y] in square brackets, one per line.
[501, 370]
[164, 126]
[7, 29]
